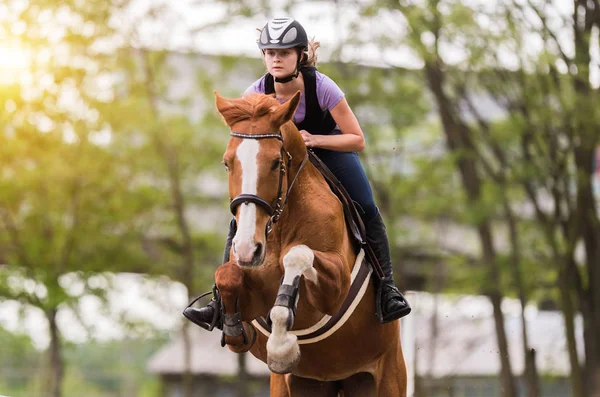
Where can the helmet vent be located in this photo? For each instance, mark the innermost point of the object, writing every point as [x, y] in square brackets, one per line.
[264, 37]
[277, 26]
[290, 36]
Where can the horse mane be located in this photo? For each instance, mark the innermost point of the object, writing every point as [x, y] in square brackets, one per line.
[249, 107]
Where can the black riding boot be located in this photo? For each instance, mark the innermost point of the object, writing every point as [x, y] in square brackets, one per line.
[210, 316]
[391, 304]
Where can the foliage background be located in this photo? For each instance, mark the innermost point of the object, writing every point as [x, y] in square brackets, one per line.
[481, 121]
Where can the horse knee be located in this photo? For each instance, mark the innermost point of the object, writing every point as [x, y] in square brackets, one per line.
[297, 260]
[241, 344]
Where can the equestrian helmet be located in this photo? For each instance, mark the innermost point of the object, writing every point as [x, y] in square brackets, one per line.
[283, 33]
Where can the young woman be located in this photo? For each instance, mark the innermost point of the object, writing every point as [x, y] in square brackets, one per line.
[330, 128]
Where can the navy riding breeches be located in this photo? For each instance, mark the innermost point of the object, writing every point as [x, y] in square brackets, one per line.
[349, 171]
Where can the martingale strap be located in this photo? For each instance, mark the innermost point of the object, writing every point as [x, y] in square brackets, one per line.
[329, 324]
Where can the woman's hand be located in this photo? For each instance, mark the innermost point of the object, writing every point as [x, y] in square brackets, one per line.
[309, 139]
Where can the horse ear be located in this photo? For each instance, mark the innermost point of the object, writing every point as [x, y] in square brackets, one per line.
[285, 112]
[222, 104]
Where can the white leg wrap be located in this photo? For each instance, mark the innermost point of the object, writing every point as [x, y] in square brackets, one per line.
[282, 347]
[283, 352]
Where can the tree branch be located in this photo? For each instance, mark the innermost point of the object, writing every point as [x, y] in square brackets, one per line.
[544, 22]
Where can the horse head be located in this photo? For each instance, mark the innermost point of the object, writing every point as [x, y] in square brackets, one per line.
[258, 160]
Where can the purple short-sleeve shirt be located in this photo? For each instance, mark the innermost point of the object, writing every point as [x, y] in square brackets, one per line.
[328, 94]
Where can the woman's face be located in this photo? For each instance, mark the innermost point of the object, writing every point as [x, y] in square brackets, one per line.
[281, 62]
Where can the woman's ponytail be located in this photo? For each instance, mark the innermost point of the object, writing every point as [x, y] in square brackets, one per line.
[310, 59]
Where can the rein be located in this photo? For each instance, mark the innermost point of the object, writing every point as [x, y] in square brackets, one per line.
[274, 209]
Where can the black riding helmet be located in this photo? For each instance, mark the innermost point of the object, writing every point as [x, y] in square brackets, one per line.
[281, 33]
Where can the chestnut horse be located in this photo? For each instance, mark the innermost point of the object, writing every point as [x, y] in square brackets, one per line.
[292, 262]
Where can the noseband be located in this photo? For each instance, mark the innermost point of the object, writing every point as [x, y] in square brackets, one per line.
[274, 209]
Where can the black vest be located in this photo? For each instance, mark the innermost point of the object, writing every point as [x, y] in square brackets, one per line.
[316, 121]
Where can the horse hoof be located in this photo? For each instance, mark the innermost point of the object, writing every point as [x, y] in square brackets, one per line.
[283, 354]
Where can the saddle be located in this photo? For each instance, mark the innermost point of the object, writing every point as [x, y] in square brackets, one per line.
[354, 221]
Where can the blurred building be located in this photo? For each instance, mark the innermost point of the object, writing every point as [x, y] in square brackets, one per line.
[457, 353]
[216, 370]
[449, 344]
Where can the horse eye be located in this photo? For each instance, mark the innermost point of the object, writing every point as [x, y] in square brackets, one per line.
[276, 164]
[226, 165]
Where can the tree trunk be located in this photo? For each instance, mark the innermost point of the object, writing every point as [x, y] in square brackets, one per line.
[458, 141]
[569, 316]
[495, 295]
[172, 167]
[56, 370]
[587, 214]
[586, 19]
[188, 378]
[242, 376]
[532, 375]
[530, 372]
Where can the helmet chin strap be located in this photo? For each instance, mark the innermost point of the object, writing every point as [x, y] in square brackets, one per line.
[287, 79]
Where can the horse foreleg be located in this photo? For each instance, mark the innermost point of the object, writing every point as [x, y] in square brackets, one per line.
[278, 386]
[239, 336]
[283, 352]
[392, 373]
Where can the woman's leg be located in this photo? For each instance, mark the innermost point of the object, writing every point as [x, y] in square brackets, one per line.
[349, 171]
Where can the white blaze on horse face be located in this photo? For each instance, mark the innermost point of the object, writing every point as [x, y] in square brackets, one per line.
[247, 154]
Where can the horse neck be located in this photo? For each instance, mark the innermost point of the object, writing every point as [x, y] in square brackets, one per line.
[294, 143]
[309, 180]
[295, 146]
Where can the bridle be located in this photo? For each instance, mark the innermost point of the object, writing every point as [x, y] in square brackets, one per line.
[274, 209]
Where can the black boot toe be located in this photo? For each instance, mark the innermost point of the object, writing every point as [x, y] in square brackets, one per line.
[207, 317]
[393, 303]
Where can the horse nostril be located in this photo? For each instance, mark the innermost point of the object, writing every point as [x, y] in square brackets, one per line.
[258, 250]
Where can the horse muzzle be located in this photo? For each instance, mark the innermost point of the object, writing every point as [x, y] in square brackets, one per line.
[249, 254]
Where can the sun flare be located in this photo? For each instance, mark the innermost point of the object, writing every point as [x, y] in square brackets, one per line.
[13, 62]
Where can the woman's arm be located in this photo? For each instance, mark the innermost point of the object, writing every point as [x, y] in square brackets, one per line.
[351, 139]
